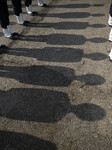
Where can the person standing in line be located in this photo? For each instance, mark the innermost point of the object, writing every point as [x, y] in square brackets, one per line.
[4, 20]
[28, 4]
[110, 23]
[17, 7]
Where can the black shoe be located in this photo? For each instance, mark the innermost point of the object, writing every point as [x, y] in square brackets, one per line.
[26, 23]
[3, 47]
[34, 13]
[45, 5]
[15, 34]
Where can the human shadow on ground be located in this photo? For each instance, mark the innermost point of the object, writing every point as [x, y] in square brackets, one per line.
[67, 25]
[57, 54]
[48, 75]
[19, 141]
[83, 5]
[62, 39]
[71, 15]
[43, 105]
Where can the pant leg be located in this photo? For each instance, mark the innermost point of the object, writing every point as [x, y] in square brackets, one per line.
[17, 7]
[110, 11]
[28, 2]
[4, 14]
[40, 1]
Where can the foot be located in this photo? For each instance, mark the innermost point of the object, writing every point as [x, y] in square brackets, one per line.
[20, 19]
[7, 33]
[29, 9]
[42, 5]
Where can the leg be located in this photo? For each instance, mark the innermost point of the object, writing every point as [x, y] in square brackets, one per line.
[4, 14]
[17, 7]
[110, 11]
[110, 16]
[28, 4]
[4, 19]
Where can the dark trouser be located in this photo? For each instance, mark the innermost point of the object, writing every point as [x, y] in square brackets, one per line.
[4, 14]
[110, 11]
[28, 2]
[17, 7]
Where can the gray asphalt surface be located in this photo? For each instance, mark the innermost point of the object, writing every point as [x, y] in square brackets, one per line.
[55, 79]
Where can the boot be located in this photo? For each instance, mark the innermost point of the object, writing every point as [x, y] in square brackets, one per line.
[29, 9]
[7, 33]
[20, 19]
[41, 4]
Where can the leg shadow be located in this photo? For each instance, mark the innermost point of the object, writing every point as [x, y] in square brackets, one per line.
[20, 141]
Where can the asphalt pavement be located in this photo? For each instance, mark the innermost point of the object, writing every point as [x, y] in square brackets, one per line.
[56, 79]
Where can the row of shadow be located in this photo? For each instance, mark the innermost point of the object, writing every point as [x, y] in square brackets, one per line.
[44, 105]
[63, 25]
[61, 39]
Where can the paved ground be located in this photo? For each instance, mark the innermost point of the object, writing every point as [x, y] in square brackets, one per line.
[55, 80]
